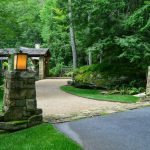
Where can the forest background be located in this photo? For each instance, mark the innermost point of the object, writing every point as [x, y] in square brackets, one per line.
[111, 34]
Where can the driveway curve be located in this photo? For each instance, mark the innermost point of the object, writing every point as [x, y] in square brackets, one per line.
[58, 105]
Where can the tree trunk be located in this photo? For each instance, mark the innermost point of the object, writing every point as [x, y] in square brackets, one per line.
[90, 57]
[101, 57]
[72, 36]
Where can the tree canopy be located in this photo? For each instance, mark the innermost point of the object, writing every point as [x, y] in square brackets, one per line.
[115, 32]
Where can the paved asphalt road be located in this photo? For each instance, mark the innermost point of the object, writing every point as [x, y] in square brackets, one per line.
[121, 131]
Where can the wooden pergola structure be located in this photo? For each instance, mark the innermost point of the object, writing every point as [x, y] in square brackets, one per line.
[39, 56]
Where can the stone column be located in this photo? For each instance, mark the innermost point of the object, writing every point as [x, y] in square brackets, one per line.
[20, 105]
[41, 68]
[9, 63]
[147, 97]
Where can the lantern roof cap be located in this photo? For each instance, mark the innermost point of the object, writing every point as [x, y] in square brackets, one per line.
[3, 58]
[32, 52]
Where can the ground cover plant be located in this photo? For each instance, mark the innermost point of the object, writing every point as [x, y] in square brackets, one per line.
[97, 95]
[42, 137]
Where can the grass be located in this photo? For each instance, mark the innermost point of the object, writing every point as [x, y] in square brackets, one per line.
[42, 137]
[96, 94]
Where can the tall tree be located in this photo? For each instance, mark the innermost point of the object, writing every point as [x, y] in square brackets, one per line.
[72, 35]
[55, 32]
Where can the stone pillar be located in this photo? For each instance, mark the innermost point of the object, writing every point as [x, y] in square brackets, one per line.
[148, 83]
[20, 105]
[147, 97]
[41, 68]
[10, 63]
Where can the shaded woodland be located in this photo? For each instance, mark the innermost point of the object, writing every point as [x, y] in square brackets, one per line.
[113, 35]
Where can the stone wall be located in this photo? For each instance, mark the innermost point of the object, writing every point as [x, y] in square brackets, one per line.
[20, 98]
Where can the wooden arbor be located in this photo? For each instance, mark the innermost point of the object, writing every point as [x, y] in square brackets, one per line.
[39, 56]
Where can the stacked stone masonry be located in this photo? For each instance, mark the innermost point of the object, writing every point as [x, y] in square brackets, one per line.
[148, 83]
[20, 99]
[147, 97]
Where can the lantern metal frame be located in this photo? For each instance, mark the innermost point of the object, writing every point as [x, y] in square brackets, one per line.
[15, 65]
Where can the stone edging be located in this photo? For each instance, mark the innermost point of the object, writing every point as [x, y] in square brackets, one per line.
[92, 113]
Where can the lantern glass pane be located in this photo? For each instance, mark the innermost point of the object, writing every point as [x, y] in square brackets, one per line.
[21, 62]
[15, 62]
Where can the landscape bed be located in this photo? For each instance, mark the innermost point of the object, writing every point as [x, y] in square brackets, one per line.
[97, 95]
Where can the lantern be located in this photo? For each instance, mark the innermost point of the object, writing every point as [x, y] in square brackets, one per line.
[20, 61]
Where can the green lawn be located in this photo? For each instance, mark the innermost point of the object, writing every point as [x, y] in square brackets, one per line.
[42, 137]
[96, 94]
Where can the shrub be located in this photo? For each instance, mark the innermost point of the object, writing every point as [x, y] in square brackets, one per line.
[131, 90]
[95, 76]
[56, 71]
[69, 74]
[5, 65]
[89, 76]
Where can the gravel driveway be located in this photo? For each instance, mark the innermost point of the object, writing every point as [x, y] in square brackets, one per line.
[60, 106]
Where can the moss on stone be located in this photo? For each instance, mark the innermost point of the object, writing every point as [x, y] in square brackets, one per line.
[1, 113]
[18, 122]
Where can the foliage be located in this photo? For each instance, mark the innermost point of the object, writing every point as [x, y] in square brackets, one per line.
[96, 94]
[5, 65]
[69, 74]
[116, 32]
[55, 31]
[132, 90]
[106, 76]
[127, 91]
[140, 19]
[42, 137]
[19, 23]
[89, 76]
[56, 71]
